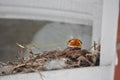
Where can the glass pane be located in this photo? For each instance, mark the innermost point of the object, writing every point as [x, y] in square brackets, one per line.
[39, 35]
[55, 35]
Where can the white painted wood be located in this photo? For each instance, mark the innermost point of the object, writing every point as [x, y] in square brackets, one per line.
[109, 31]
[90, 73]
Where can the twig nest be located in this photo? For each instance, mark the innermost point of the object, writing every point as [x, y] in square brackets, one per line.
[73, 56]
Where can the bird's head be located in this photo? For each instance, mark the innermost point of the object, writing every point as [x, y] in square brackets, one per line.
[75, 43]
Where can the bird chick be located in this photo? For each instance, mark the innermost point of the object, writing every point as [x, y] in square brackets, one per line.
[75, 43]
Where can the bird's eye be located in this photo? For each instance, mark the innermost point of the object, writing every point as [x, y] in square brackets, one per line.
[70, 40]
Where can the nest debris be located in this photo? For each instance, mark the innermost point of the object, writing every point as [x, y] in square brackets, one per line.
[73, 58]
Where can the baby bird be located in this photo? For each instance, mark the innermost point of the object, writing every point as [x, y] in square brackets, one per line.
[75, 43]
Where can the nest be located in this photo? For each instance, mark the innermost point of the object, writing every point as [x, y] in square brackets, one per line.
[67, 58]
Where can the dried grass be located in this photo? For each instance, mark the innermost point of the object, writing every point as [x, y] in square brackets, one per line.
[74, 58]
